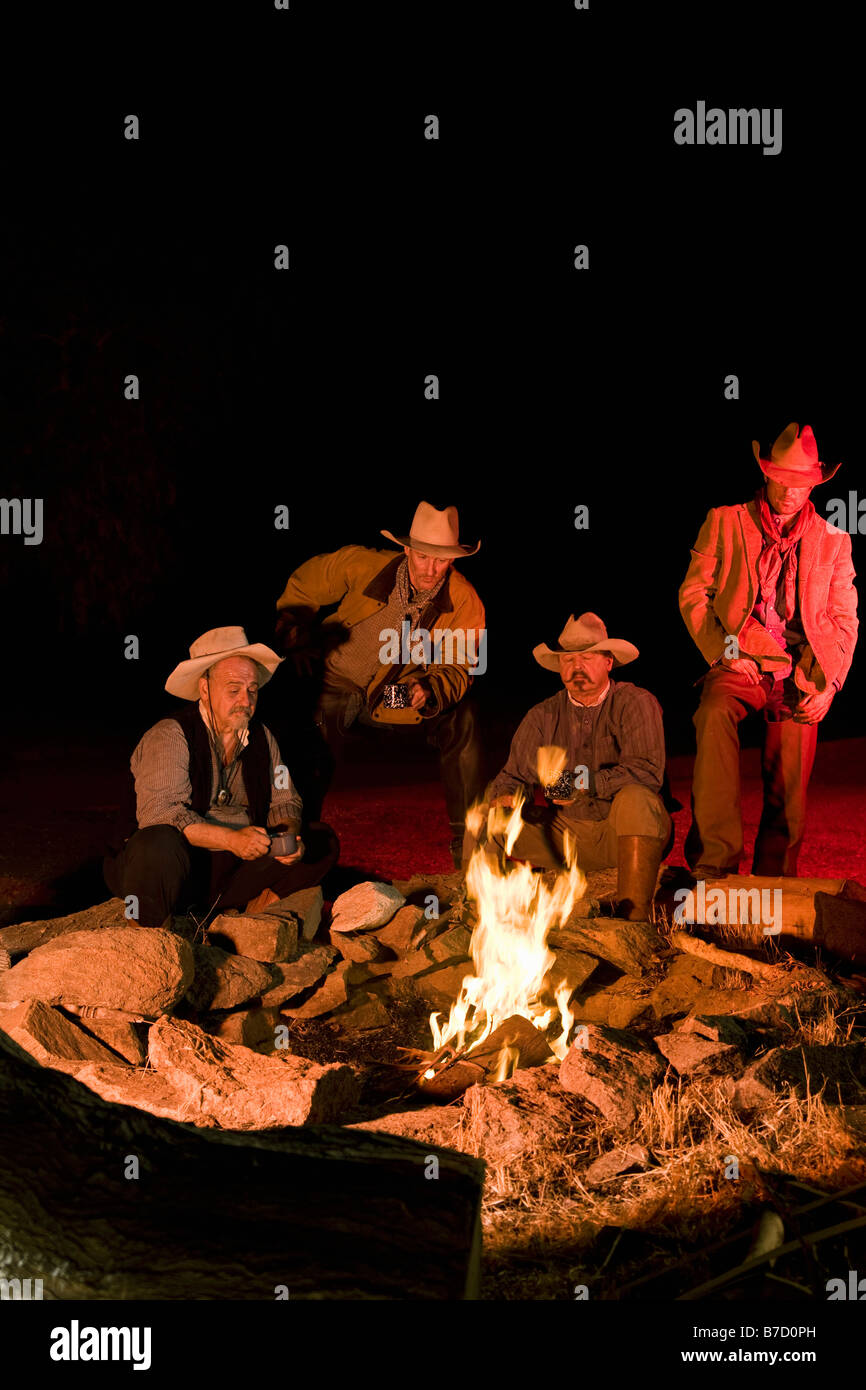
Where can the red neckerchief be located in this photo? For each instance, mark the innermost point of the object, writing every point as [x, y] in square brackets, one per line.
[778, 559]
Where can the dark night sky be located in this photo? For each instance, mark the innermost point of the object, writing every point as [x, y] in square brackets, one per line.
[559, 388]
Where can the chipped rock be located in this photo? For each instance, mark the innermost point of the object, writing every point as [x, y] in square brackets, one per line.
[49, 1036]
[691, 1055]
[632, 947]
[223, 981]
[262, 938]
[234, 1088]
[612, 1069]
[304, 906]
[290, 980]
[398, 933]
[616, 1162]
[365, 907]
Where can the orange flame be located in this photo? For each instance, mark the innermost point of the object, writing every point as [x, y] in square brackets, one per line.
[550, 762]
[516, 913]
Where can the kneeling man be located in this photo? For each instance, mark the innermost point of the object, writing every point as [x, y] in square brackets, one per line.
[613, 737]
[210, 791]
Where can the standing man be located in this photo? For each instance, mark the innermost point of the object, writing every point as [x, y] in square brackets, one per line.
[209, 786]
[770, 601]
[613, 738]
[408, 619]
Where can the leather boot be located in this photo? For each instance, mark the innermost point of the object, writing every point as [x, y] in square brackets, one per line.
[638, 860]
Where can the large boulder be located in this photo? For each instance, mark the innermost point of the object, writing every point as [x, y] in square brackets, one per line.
[233, 1088]
[139, 969]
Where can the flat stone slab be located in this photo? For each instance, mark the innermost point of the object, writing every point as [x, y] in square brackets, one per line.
[293, 978]
[234, 1088]
[633, 947]
[691, 1055]
[140, 969]
[49, 1036]
[612, 1069]
[365, 907]
[26, 936]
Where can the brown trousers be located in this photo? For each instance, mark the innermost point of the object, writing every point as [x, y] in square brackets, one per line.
[635, 810]
[715, 838]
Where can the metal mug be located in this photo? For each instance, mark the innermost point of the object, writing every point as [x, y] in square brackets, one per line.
[396, 697]
[562, 789]
[283, 844]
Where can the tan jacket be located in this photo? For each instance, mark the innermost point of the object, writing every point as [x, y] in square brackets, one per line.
[360, 581]
[720, 590]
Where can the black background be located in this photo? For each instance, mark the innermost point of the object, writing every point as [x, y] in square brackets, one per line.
[306, 388]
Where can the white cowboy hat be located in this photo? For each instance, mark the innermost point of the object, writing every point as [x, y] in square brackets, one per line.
[434, 533]
[584, 634]
[215, 646]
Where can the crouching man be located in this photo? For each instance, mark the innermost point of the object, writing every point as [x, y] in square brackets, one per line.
[210, 791]
[613, 739]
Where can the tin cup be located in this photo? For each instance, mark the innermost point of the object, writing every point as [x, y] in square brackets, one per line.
[396, 697]
[562, 789]
[283, 845]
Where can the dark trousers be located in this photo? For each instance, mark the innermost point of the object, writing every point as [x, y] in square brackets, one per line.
[169, 875]
[454, 735]
[715, 838]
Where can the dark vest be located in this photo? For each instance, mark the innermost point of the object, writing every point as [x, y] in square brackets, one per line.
[255, 762]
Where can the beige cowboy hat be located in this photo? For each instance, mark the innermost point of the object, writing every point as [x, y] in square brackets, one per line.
[794, 460]
[434, 533]
[215, 646]
[584, 634]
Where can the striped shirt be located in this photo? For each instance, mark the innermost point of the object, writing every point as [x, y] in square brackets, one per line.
[163, 792]
[619, 741]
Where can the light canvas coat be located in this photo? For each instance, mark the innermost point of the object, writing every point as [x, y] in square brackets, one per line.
[720, 590]
[360, 581]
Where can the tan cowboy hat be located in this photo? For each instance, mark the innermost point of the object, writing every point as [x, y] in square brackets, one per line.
[794, 461]
[585, 634]
[215, 646]
[434, 533]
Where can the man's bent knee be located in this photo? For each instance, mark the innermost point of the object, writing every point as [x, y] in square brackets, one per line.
[640, 811]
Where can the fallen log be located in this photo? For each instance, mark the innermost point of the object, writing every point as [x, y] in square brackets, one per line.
[319, 1212]
[789, 907]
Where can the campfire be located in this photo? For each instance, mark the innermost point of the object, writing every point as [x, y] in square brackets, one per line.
[507, 1014]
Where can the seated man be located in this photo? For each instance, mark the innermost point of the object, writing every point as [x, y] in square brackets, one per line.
[614, 741]
[208, 781]
[406, 619]
[769, 599]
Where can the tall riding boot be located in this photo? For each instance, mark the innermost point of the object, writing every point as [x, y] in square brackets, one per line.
[638, 860]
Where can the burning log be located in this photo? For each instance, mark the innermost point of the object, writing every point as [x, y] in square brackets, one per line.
[322, 1212]
[516, 1043]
